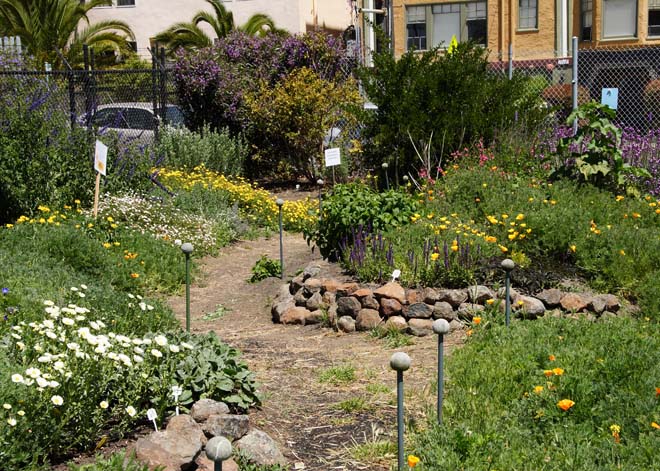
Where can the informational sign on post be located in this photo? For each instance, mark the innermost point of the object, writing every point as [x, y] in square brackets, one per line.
[332, 157]
[100, 165]
[610, 97]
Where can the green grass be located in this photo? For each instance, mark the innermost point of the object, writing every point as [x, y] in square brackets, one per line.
[494, 418]
[115, 462]
[392, 337]
[354, 404]
[336, 375]
[376, 450]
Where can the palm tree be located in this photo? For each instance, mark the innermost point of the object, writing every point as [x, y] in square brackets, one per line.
[46, 26]
[191, 36]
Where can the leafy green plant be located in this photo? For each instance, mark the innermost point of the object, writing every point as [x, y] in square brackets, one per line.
[245, 464]
[353, 207]
[353, 405]
[116, 462]
[593, 154]
[392, 337]
[264, 268]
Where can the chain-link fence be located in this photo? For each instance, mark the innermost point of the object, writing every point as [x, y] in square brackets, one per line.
[130, 105]
[623, 77]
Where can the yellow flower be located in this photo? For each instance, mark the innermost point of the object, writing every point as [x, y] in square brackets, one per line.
[548, 373]
[505, 216]
[655, 426]
[109, 219]
[9, 226]
[477, 320]
[573, 248]
[135, 275]
[490, 301]
[552, 357]
[636, 215]
[503, 248]
[520, 217]
[558, 371]
[454, 248]
[107, 245]
[538, 389]
[565, 404]
[531, 200]
[434, 256]
[622, 252]
[77, 201]
[412, 461]
[43, 209]
[619, 198]
[491, 239]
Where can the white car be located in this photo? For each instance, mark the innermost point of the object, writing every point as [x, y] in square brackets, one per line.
[134, 122]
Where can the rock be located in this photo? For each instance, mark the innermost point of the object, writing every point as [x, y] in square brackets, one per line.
[550, 297]
[230, 426]
[296, 284]
[513, 294]
[280, 308]
[467, 310]
[420, 311]
[260, 449]
[444, 310]
[348, 306]
[391, 290]
[205, 464]
[396, 323]
[346, 324]
[413, 296]
[332, 315]
[295, 315]
[455, 324]
[314, 317]
[362, 293]
[312, 285]
[202, 409]
[367, 319]
[369, 302]
[300, 298]
[315, 301]
[329, 298]
[312, 270]
[607, 315]
[420, 327]
[604, 302]
[531, 308]
[346, 289]
[479, 294]
[555, 313]
[330, 286]
[429, 296]
[175, 448]
[390, 307]
[455, 297]
[574, 302]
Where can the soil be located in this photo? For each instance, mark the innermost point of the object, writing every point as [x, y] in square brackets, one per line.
[299, 411]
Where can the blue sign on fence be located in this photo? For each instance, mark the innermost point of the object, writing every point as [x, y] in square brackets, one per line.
[610, 97]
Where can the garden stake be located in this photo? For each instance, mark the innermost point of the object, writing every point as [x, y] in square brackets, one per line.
[218, 449]
[279, 202]
[187, 249]
[440, 327]
[507, 265]
[320, 184]
[399, 362]
[387, 178]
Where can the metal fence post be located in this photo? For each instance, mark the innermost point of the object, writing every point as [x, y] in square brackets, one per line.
[507, 265]
[399, 362]
[510, 61]
[440, 327]
[575, 80]
[187, 249]
[280, 202]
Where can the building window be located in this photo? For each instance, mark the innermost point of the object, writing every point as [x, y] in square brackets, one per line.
[619, 18]
[654, 17]
[476, 23]
[416, 27]
[527, 14]
[586, 17]
[125, 3]
[464, 21]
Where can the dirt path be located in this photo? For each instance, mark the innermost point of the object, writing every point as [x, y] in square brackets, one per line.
[319, 426]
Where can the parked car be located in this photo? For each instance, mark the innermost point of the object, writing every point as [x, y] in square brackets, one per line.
[134, 122]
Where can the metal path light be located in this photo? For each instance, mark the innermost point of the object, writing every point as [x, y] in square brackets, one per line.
[320, 182]
[280, 202]
[440, 327]
[187, 249]
[218, 449]
[399, 362]
[385, 166]
[507, 265]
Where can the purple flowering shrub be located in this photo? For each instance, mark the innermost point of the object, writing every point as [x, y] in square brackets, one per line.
[212, 83]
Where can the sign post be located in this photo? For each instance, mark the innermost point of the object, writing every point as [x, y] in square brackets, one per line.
[100, 165]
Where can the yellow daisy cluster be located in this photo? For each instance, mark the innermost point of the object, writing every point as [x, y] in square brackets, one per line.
[257, 204]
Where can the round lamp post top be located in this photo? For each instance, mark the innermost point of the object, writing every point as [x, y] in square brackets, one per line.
[279, 201]
[187, 248]
[400, 361]
[507, 264]
[441, 326]
[218, 449]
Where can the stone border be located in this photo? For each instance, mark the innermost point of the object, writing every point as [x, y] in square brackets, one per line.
[348, 306]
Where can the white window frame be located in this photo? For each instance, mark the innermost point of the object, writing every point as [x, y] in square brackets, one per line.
[586, 12]
[412, 13]
[608, 21]
[525, 7]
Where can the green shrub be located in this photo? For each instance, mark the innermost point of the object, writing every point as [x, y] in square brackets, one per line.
[264, 268]
[218, 151]
[501, 410]
[355, 207]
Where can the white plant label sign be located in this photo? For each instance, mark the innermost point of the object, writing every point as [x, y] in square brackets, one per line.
[101, 158]
[332, 157]
[152, 415]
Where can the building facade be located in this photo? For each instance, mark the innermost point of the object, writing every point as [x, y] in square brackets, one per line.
[150, 17]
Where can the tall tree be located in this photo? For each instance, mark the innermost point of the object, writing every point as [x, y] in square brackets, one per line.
[191, 36]
[45, 26]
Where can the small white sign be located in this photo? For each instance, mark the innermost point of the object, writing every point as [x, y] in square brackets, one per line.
[101, 158]
[332, 157]
[610, 97]
[396, 274]
[152, 415]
